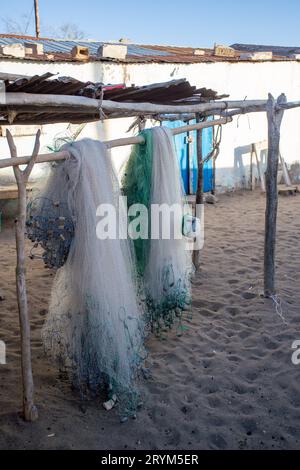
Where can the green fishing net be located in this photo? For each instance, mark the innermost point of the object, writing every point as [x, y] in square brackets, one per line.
[152, 176]
[136, 185]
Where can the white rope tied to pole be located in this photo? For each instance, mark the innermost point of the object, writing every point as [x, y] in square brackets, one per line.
[278, 306]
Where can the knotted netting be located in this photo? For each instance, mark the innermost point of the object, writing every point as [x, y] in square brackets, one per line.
[152, 177]
[95, 325]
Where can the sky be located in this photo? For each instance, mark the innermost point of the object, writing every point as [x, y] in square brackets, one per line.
[193, 23]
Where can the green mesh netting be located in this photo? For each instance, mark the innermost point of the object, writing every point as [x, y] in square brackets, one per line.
[152, 176]
[137, 187]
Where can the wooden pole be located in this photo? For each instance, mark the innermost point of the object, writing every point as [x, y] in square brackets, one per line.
[235, 109]
[87, 109]
[214, 160]
[213, 189]
[199, 192]
[274, 115]
[40, 101]
[29, 409]
[51, 157]
[252, 178]
[37, 18]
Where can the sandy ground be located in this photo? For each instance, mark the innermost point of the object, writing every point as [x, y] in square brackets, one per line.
[227, 383]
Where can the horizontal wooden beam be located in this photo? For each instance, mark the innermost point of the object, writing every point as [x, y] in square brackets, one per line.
[254, 108]
[88, 108]
[51, 157]
[11, 192]
[91, 105]
[149, 108]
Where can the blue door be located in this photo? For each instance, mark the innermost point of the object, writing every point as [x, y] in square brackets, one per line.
[186, 148]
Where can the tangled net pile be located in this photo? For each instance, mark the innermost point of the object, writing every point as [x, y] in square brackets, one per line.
[94, 328]
[108, 291]
[49, 225]
[152, 177]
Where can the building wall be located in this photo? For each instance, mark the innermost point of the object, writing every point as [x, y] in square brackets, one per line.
[81, 71]
[239, 80]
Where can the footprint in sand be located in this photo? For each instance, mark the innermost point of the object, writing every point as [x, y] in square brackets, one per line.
[233, 311]
[249, 295]
[249, 425]
[251, 376]
[233, 281]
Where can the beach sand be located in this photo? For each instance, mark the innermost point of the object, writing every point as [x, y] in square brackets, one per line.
[227, 383]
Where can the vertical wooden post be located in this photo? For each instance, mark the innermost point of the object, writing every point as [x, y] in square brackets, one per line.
[213, 190]
[29, 409]
[274, 122]
[252, 177]
[199, 193]
[37, 18]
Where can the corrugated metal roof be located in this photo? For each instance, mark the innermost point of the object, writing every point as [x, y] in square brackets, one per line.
[175, 92]
[65, 46]
[159, 93]
[60, 50]
[284, 51]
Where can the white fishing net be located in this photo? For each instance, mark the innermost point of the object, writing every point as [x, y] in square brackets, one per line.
[169, 267]
[95, 324]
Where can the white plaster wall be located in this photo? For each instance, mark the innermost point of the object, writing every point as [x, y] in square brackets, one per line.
[82, 71]
[239, 80]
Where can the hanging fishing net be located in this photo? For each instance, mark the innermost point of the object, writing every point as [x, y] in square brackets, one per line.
[137, 188]
[152, 177]
[95, 327]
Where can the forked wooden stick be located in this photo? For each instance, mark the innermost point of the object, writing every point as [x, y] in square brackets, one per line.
[29, 409]
[199, 191]
[275, 111]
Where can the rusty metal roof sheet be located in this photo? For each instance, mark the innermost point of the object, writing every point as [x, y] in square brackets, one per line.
[161, 93]
[61, 49]
[56, 50]
[172, 92]
[279, 51]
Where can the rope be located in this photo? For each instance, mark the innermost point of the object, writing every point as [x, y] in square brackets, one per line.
[278, 306]
[216, 146]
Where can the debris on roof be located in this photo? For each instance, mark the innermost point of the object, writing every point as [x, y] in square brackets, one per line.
[174, 92]
[278, 51]
[60, 50]
[262, 55]
[160, 93]
[224, 51]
